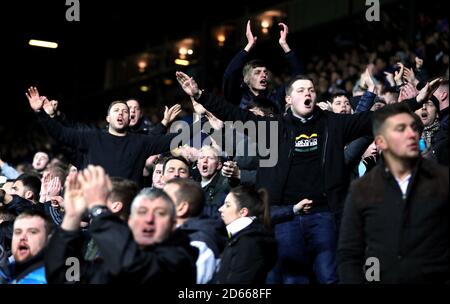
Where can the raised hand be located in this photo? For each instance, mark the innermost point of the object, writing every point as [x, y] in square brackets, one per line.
[54, 188]
[419, 63]
[251, 40]
[34, 99]
[74, 204]
[369, 78]
[95, 184]
[170, 114]
[407, 91]
[409, 76]
[325, 106]
[231, 169]
[283, 34]
[398, 75]
[45, 182]
[215, 123]
[50, 106]
[188, 85]
[426, 92]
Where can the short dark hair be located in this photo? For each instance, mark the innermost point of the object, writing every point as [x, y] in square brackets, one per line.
[114, 103]
[32, 182]
[265, 104]
[381, 115]
[180, 158]
[35, 212]
[339, 94]
[124, 191]
[288, 88]
[133, 98]
[190, 192]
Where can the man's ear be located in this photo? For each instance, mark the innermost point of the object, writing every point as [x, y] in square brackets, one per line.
[107, 118]
[288, 99]
[29, 195]
[182, 209]
[219, 166]
[444, 96]
[380, 142]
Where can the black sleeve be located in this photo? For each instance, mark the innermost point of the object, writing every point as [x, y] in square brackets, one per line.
[232, 78]
[413, 104]
[355, 150]
[224, 110]
[63, 245]
[54, 213]
[65, 135]
[296, 68]
[281, 213]
[350, 253]
[158, 129]
[356, 125]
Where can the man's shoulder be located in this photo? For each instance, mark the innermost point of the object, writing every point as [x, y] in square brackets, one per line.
[433, 168]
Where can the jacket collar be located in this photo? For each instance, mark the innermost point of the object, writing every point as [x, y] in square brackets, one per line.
[420, 165]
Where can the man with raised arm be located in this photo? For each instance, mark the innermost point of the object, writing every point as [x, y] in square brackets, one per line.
[120, 152]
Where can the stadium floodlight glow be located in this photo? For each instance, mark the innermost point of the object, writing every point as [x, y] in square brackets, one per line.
[41, 43]
[181, 62]
[144, 88]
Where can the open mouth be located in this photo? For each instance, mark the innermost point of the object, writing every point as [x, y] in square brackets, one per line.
[204, 168]
[308, 102]
[263, 82]
[23, 249]
[120, 121]
[148, 232]
[413, 146]
[132, 116]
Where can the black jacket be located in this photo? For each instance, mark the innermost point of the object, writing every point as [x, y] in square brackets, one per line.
[122, 261]
[248, 257]
[408, 234]
[215, 193]
[337, 130]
